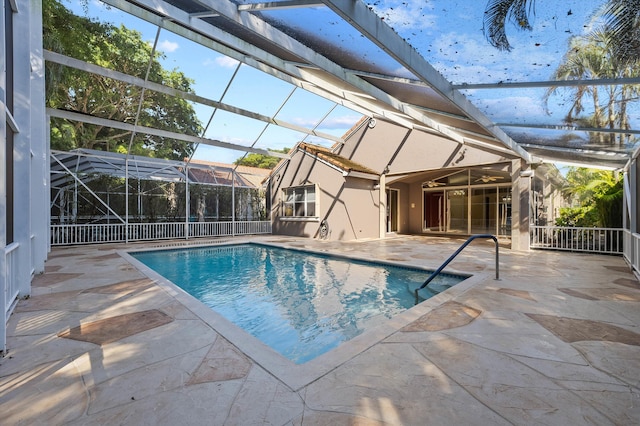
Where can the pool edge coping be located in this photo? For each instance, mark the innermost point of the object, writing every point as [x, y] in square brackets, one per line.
[297, 376]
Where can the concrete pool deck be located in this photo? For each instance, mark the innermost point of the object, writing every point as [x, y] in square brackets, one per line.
[555, 341]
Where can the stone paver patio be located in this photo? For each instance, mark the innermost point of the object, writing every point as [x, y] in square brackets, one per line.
[555, 341]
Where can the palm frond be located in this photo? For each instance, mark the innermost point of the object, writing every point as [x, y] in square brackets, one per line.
[496, 15]
[622, 23]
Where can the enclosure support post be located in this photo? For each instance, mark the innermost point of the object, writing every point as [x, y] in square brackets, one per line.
[233, 203]
[186, 203]
[126, 199]
[382, 200]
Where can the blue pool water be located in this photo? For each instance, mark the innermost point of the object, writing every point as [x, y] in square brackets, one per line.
[301, 304]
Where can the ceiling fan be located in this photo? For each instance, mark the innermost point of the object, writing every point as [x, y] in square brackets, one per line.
[433, 184]
[487, 178]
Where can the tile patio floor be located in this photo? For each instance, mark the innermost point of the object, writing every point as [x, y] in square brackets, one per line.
[556, 341]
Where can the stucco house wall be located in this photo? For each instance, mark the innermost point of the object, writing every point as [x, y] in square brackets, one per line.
[399, 150]
[348, 205]
[405, 155]
[401, 159]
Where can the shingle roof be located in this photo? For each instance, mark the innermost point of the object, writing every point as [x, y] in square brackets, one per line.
[335, 159]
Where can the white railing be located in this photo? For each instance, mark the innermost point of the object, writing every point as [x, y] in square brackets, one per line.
[589, 240]
[112, 233]
[156, 231]
[632, 250]
[250, 228]
[11, 283]
[62, 235]
[205, 229]
[9, 292]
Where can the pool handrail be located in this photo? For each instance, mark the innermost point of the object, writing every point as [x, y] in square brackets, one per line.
[466, 243]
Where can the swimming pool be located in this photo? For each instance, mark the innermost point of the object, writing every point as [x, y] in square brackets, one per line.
[299, 303]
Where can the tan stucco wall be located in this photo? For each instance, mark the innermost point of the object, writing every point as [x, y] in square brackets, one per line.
[404, 150]
[408, 151]
[349, 205]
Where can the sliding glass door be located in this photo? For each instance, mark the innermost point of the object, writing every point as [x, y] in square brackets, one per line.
[470, 210]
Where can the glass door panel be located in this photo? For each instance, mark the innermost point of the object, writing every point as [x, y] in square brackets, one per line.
[484, 210]
[434, 211]
[392, 210]
[504, 212]
[457, 211]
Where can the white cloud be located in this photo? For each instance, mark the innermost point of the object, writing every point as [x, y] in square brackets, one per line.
[345, 121]
[168, 46]
[221, 61]
[414, 15]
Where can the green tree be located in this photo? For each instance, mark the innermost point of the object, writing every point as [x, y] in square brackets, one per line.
[599, 195]
[124, 50]
[260, 160]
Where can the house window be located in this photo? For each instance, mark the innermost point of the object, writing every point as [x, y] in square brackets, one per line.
[300, 201]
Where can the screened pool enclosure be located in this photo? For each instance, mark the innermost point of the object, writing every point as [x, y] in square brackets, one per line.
[106, 197]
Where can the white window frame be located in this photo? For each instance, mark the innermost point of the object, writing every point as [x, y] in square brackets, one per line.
[284, 203]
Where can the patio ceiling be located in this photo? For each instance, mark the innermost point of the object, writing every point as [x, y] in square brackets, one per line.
[412, 63]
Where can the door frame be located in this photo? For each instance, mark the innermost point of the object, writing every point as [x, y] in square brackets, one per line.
[390, 202]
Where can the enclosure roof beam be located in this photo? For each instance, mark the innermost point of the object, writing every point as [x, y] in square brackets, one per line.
[89, 119]
[160, 88]
[199, 31]
[550, 83]
[177, 20]
[572, 128]
[279, 5]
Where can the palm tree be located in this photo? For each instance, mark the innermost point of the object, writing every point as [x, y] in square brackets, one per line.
[590, 57]
[622, 22]
[583, 61]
